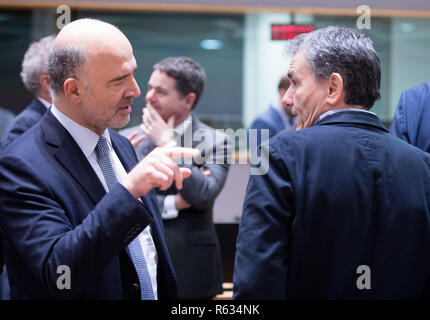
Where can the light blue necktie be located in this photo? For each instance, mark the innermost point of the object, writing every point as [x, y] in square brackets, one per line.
[136, 254]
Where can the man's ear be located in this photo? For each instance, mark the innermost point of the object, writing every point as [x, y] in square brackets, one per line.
[44, 81]
[336, 90]
[73, 90]
[45, 88]
[189, 100]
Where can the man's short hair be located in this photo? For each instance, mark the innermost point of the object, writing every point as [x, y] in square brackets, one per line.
[35, 63]
[63, 63]
[189, 75]
[347, 52]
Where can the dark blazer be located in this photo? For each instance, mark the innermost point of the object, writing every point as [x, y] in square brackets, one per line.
[412, 117]
[191, 237]
[55, 212]
[24, 121]
[339, 195]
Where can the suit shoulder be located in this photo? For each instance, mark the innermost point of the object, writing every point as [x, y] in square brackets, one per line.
[419, 93]
[22, 122]
[24, 146]
[265, 119]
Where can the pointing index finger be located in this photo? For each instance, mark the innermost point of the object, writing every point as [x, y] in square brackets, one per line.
[179, 152]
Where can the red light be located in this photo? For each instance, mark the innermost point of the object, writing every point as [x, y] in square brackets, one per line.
[289, 31]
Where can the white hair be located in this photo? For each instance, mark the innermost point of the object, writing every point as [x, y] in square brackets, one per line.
[35, 63]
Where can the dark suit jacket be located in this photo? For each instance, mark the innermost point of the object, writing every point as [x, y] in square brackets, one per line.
[412, 117]
[191, 237]
[24, 121]
[339, 195]
[55, 212]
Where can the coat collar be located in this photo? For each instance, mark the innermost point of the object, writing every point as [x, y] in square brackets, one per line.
[352, 117]
[70, 156]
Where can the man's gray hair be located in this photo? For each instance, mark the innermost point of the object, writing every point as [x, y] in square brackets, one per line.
[35, 63]
[64, 62]
[189, 75]
[347, 52]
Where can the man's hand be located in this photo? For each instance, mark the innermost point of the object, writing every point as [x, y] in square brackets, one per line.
[159, 131]
[158, 169]
[135, 140]
[206, 173]
[180, 202]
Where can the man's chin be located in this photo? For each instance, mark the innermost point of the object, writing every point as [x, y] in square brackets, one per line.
[119, 123]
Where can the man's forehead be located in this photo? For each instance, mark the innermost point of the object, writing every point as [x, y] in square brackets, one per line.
[298, 64]
[162, 79]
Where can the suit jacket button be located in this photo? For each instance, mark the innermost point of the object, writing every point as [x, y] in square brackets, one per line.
[135, 287]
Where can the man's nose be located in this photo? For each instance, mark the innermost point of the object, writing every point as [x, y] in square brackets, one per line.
[287, 99]
[134, 90]
[149, 95]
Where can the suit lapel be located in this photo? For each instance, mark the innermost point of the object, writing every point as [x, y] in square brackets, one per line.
[70, 156]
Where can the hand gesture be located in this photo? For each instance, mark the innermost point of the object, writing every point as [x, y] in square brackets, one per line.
[158, 170]
[135, 140]
[159, 131]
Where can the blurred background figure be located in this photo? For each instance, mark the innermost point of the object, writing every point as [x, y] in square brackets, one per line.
[174, 89]
[34, 75]
[6, 118]
[412, 117]
[277, 117]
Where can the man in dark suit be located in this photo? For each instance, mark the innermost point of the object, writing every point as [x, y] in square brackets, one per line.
[343, 212]
[412, 117]
[34, 75]
[174, 89]
[6, 118]
[277, 117]
[79, 215]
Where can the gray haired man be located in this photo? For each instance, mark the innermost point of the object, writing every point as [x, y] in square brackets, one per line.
[343, 212]
[34, 75]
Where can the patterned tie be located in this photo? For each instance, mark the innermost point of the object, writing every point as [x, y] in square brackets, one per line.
[136, 254]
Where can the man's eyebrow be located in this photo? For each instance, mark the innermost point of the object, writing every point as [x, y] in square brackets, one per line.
[120, 78]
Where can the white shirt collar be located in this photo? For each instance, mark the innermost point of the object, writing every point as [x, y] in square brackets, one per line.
[47, 104]
[84, 137]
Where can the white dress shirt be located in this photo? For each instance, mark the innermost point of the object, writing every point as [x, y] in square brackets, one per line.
[169, 210]
[87, 141]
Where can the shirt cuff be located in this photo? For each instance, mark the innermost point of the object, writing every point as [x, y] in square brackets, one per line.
[169, 211]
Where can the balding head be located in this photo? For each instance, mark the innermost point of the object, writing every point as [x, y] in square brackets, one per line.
[78, 44]
[92, 74]
[92, 35]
